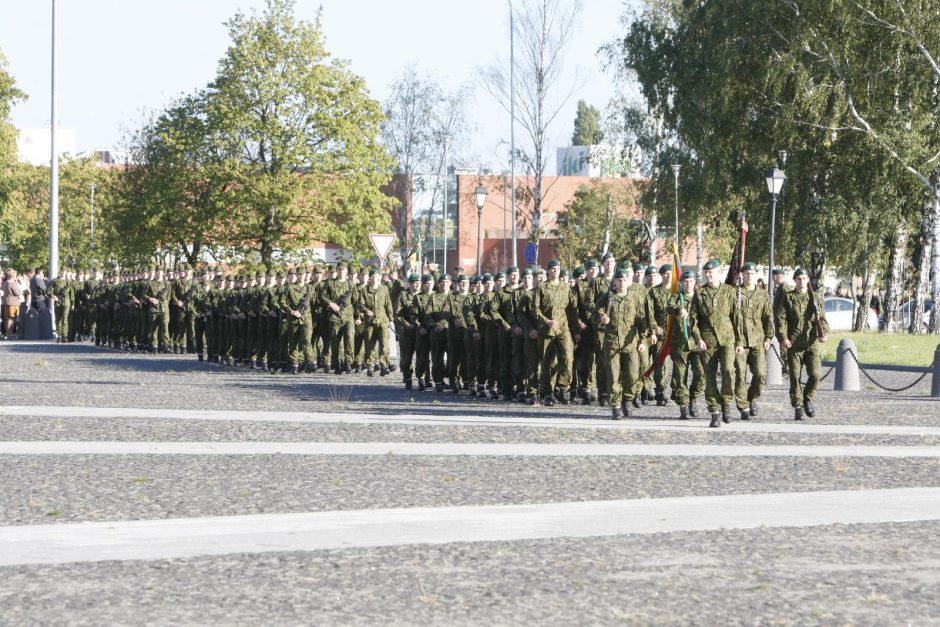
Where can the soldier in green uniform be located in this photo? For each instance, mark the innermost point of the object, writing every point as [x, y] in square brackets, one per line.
[506, 299]
[626, 315]
[489, 322]
[157, 299]
[713, 313]
[457, 336]
[62, 294]
[684, 351]
[532, 341]
[200, 302]
[659, 298]
[600, 286]
[756, 330]
[293, 299]
[376, 305]
[335, 297]
[436, 319]
[421, 305]
[406, 322]
[780, 288]
[473, 339]
[801, 328]
[556, 312]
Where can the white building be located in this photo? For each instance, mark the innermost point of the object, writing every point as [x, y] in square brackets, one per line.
[594, 161]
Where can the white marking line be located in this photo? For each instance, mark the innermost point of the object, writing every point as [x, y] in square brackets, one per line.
[55, 447]
[266, 533]
[467, 420]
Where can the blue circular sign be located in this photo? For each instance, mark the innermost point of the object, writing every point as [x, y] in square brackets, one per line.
[529, 253]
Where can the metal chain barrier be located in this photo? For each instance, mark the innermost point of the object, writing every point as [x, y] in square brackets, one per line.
[829, 372]
[884, 387]
[779, 358]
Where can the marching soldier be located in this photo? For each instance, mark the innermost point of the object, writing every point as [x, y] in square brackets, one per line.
[457, 336]
[684, 351]
[801, 328]
[421, 305]
[713, 311]
[555, 311]
[599, 287]
[376, 304]
[406, 321]
[626, 315]
[659, 298]
[334, 298]
[756, 330]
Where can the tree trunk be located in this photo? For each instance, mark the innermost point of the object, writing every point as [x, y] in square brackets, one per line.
[860, 323]
[935, 254]
[608, 227]
[895, 279]
[266, 252]
[923, 272]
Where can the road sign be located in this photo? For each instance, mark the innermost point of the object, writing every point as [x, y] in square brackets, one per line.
[529, 254]
[382, 243]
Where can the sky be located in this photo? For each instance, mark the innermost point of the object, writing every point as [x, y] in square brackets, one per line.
[119, 59]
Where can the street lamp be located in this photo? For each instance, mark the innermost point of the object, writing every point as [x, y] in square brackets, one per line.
[675, 174]
[480, 195]
[775, 178]
[512, 129]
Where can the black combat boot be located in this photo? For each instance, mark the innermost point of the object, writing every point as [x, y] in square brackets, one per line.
[562, 397]
[808, 408]
[615, 414]
[408, 384]
[660, 400]
[494, 395]
[454, 387]
[439, 386]
[383, 371]
[294, 369]
[369, 371]
[798, 413]
[200, 357]
[745, 414]
[420, 384]
[716, 420]
[637, 402]
[725, 418]
[548, 401]
[253, 364]
[392, 367]
[683, 412]
[263, 365]
[753, 410]
[693, 412]
[625, 409]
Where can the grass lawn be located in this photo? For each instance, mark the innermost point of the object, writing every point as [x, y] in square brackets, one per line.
[901, 349]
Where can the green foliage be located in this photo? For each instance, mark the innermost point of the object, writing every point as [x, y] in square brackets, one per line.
[298, 133]
[9, 95]
[587, 126]
[600, 212]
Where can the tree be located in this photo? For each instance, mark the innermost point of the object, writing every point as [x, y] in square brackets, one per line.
[9, 95]
[600, 218]
[587, 126]
[542, 29]
[175, 185]
[300, 138]
[419, 115]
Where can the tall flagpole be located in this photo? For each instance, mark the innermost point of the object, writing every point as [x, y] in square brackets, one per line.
[54, 166]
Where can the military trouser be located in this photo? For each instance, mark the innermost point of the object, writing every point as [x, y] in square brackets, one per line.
[456, 355]
[199, 334]
[646, 360]
[62, 313]
[406, 351]
[796, 359]
[683, 360]
[533, 358]
[438, 350]
[360, 339]
[313, 345]
[188, 338]
[472, 355]
[659, 373]
[342, 343]
[556, 363]
[601, 367]
[716, 357]
[624, 364]
[505, 380]
[423, 354]
[489, 369]
[754, 359]
[159, 332]
[585, 357]
[323, 333]
[295, 340]
[375, 334]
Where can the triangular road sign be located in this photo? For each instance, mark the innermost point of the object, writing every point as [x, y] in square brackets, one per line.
[382, 243]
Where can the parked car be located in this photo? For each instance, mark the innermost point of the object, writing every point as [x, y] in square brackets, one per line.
[839, 314]
[906, 311]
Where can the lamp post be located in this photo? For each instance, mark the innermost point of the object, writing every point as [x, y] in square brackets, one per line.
[775, 177]
[675, 175]
[446, 173]
[480, 195]
[54, 162]
[92, 187]
[512, 130]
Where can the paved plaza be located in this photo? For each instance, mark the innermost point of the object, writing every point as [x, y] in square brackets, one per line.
[157, 489]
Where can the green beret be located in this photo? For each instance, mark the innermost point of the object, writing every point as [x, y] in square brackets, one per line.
[578, 272]
[279, 274]
[486, 277]
[590, 263]
[554, 263]
[563, 273]
[527, 272]
[445, 277]
[474, 279]
[666, 267]
[373, 271]
[776, 272]
[608, 255]
[498, 276]
[317, 269]
[650, 271]
[637, 267]
[292, 271]
[270, 273]
[620, 273]
[229, 277]
[800, 270]
[427, 278]
[461, 278]
[259, 274]
[749, 266]
[413, 278]
[539, 271]
[341, 265]
[511, 269]
[687, 274]
[711, 265]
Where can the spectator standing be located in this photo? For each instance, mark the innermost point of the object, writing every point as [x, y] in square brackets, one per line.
[12, 297]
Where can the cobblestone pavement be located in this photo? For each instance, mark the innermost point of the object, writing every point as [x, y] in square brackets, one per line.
[875, 573]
